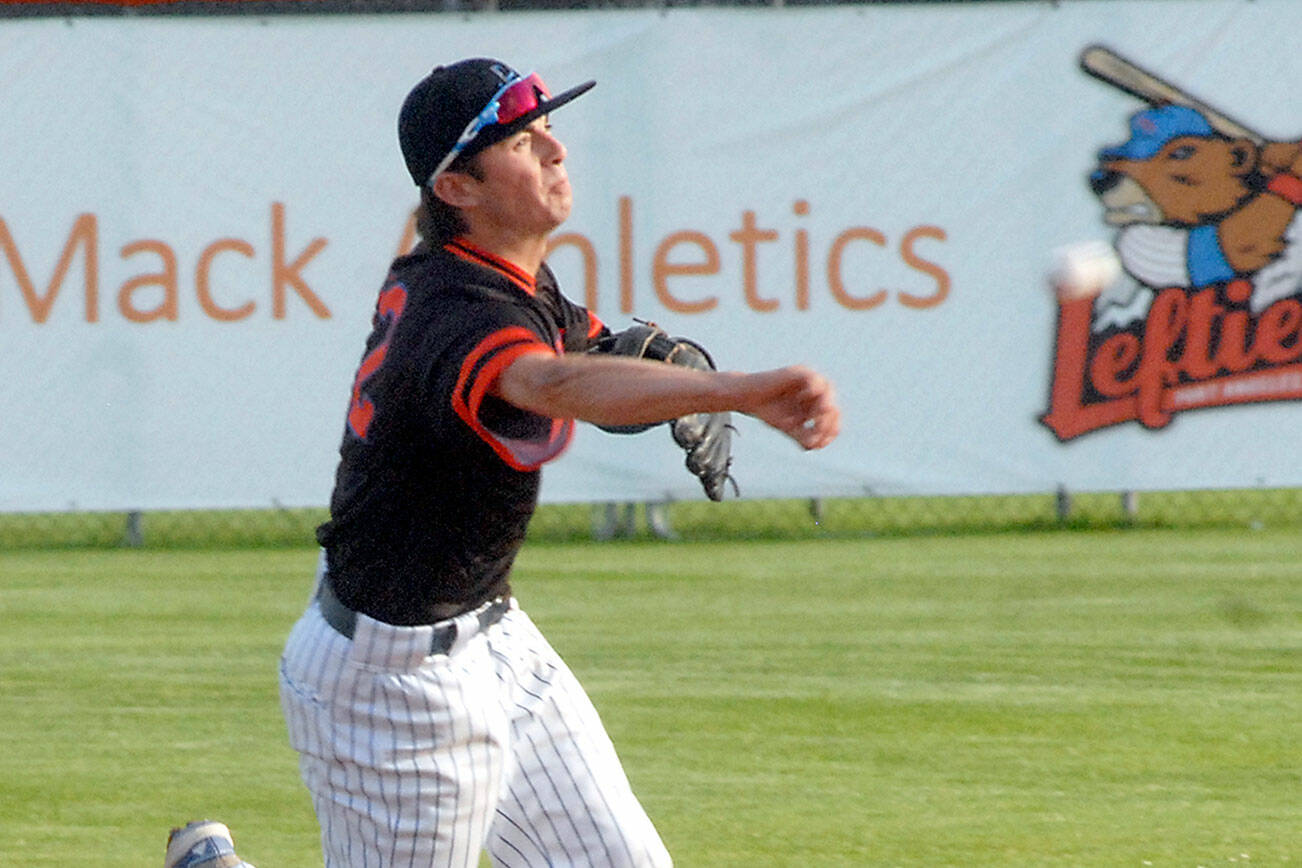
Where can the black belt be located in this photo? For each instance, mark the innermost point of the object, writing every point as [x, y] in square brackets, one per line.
[344, 619]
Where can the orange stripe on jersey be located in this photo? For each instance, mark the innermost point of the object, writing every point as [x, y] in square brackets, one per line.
[479, 371]
[495, 341]
[463, 249]
[595, 325]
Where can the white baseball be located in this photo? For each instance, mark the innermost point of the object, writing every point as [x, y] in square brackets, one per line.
[1084, 269]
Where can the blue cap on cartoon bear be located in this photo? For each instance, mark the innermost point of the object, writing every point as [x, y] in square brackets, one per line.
[1152, 128]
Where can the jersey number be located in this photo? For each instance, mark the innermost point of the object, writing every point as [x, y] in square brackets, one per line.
[387, 312]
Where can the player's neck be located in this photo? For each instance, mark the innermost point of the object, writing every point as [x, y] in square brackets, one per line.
[526, 252]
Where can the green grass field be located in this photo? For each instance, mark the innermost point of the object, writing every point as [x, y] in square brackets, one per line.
[1101, 698]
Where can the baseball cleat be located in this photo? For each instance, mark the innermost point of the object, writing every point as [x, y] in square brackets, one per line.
[202, 844]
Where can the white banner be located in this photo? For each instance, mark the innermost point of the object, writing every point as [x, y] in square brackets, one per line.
[196, 215]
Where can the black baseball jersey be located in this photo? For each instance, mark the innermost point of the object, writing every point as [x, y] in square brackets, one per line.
[437, 479]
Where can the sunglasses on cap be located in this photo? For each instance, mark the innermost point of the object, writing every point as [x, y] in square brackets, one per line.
[514, 99]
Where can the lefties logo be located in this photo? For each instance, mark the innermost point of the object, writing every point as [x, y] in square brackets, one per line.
[1208, 310]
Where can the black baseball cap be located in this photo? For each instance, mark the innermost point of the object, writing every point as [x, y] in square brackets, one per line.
[460, 109]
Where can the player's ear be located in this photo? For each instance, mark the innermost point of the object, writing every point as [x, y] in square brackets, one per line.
[457, 189]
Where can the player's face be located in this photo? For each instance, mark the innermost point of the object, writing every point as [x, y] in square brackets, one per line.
[526, 188]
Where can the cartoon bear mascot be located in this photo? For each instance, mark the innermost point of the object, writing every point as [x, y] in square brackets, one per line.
[1197, 208]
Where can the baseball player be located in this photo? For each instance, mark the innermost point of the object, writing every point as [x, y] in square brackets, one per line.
[432, 719]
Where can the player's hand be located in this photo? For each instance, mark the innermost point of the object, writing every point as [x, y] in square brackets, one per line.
[797, 401]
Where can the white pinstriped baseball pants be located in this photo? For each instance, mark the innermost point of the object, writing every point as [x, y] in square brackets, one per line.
[418, 760]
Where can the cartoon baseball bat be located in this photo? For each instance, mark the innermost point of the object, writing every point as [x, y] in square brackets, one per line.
[1111, 68]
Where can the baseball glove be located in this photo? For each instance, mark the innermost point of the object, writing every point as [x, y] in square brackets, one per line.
[706, 438]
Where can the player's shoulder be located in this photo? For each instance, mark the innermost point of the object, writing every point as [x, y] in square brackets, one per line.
[423, 263]
[429, 273]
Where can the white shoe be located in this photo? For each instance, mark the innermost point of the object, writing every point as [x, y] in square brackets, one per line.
[202, 844]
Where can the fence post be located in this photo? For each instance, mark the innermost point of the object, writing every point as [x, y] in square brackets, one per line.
[1063, 503]
[1130, 506]
[607, 523]
[135, 530]
[657, 518]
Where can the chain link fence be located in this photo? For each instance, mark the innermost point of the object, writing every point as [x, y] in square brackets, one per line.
[699, 520]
